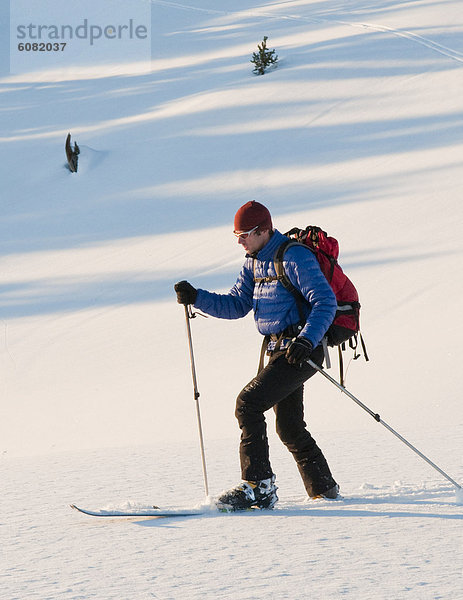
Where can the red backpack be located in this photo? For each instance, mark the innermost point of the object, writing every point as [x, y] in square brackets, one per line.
[346, 323]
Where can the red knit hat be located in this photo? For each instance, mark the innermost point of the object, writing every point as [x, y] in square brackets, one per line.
[252, 214]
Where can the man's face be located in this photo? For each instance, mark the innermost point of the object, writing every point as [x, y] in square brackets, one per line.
[253, 241]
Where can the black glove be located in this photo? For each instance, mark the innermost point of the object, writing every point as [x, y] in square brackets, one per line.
[186, 293]
[299, 351]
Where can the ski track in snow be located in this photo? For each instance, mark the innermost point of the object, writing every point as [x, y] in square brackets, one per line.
[414, 37]
[409, 35]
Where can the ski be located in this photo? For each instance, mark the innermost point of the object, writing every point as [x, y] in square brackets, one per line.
[155, 511]
[149, 512]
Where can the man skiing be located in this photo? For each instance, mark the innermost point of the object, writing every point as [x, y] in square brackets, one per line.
[279, 385]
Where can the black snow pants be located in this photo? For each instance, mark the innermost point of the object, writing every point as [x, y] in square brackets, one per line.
[280, 385]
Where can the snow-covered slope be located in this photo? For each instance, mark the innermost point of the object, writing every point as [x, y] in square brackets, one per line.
[358, 130]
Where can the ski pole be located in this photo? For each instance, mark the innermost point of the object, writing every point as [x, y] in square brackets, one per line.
[190, 315]
[377, 418]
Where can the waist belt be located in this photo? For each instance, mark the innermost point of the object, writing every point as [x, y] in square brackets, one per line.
[274, 342]
[278, 344]
[290, 332]
[274, 337]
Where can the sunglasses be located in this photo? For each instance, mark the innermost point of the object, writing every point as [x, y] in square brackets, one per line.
[245, 234]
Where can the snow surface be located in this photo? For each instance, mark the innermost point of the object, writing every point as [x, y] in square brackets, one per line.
[358, 130]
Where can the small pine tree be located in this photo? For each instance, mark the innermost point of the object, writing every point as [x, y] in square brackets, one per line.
[264, 58]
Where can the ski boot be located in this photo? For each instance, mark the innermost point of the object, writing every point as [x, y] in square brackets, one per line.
[331, 494]
[317, 478]
[250, 494]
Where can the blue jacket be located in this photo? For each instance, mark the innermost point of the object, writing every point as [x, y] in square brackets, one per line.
[274, 307]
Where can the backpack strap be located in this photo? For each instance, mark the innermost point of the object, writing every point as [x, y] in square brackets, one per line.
[263, 350]
[326, 352]
[353, 344]
[333, 262]
[261, 279]
[364, 348]
[284, 279]
[341, 365]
